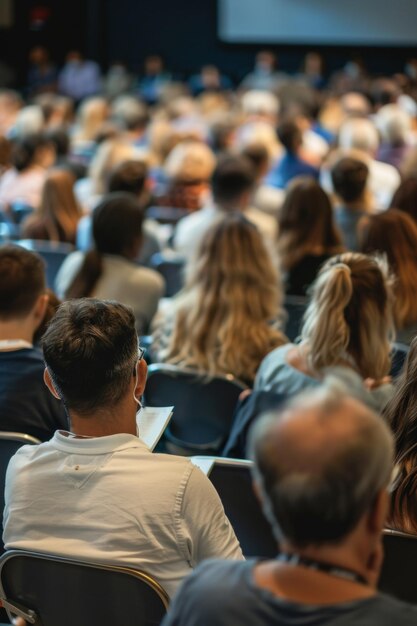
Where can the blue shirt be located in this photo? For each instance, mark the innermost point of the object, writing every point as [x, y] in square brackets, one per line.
[288, 168]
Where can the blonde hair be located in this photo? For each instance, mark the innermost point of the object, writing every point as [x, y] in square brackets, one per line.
[91, 117]
[190, 161]
[394, 233]
[231, 296]
[349, 317]
[110, 154]
[58, 207]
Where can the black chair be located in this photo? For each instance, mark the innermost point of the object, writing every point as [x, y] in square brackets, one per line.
[166, 214]
[398, 576]
[10, 442]
[203, 407]
[171, 268]
[52, 591]
[295, 307]
[398, 355]
[233, 482]
[53, 253]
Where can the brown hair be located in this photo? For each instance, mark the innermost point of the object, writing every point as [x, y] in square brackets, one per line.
[59, 209]
[22, 281]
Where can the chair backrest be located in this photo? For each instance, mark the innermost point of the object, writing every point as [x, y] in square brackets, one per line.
[398, 355]
[172, 269]
[233, 482]
[10, 442]
[49, 590]
[54, 254]
[399, 570]
[295, 307]
[203, 407]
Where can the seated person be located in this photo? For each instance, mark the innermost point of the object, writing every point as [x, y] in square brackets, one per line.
[25, 404]
[346, 334]
[97, 493]
[349, 178]
[109, 269]
[291, 164]
[322, 471]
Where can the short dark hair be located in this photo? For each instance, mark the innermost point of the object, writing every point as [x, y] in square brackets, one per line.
[90, 349]
[232, 177]
[24, 150]
[258, 156]
[22, 281]
[349, 177]
[129, 176]
[289, 135]
[117, 223]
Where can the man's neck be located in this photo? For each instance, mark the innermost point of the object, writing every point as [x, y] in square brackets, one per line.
[114, 420]
[13, 330]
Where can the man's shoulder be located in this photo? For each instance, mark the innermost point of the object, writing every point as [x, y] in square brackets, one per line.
[389, 610]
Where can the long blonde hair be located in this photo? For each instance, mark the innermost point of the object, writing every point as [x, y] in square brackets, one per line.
[231, 296]
[394, 233]
[349, 317]
[58, 208]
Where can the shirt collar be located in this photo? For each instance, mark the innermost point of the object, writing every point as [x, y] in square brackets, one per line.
[96, 445]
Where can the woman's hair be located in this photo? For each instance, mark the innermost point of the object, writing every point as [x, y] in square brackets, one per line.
[58, 208]
[405, 198]
[117, 230]
[306, 224]
[190, 162]
[394, 234]
[401, 413]
[109, 154]
[25, 151]
[231, 297]
[91, 116]
[349, 316]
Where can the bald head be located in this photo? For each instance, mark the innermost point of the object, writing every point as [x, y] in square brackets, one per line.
[320, 463]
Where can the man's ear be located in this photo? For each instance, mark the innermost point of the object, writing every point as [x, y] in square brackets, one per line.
[39, 309]
[378, 512]
[141, 373]
[48, 382]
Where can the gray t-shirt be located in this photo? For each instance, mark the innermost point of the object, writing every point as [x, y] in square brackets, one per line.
[223, 593]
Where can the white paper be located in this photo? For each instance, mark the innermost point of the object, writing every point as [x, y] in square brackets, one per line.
[205, 463]
[151, 422]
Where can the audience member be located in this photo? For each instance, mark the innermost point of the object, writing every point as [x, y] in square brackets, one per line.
[307, 235]
[349, 178]
[232, 186]
[91, 117]
[25, 404]
[264, 197]
[154, 80]
[58, 213]
[208, 80]
[31, 157]
[97, 493]
[395, 127]
[132, 116]
[394, 234]
[108, 270]
[226, 318]
[405, 198]
[291, 164]
[42, 75]
[346, 334]
[79, 78]
[322, 471]
[264, 75]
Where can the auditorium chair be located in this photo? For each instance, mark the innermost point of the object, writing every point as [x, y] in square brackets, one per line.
[171, 268]
[295, 307]
[203, 407]
[53, 253]
[398, 576]
[52, 591]
[233, 482]
[398, 355]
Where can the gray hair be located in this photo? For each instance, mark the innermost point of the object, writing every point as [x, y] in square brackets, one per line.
[360, 134]
[322, 500]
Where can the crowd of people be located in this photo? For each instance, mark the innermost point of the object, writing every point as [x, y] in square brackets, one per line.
[281, 187]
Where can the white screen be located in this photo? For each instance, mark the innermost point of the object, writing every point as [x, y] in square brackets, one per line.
[390, 22]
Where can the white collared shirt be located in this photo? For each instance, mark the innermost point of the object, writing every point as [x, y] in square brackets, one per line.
[110, 500]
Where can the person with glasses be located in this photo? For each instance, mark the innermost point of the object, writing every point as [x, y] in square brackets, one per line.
[96, 492]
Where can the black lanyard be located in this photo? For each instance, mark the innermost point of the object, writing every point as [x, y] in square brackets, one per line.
[328, 568]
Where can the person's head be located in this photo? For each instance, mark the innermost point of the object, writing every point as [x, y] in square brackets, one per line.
[313, 64]
[59, 207]
[232, 292]
[109, 154]
[349, 178]
[32, 150]
[349, 318]
[153, 65]
[394, 234]
[130, 113]
[91, 355]
[232, 182]
[322, 468]
[59, 138]
[117, 230]
[22, 287]
[405, 197]
[258, 155]
[359, 134]
[261, 105]
[129, 176]
[401, 414]
[91, 117]
[394, 124]
[290, 136]
[306, 223]
[190, 162]
[265, 61]
[38, 56]
[29, 121]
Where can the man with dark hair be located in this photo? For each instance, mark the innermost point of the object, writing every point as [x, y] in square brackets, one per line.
[322, 469]
[97, 493]
[232, 184]
[291, 163]
[349, 177]
[25, 404]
